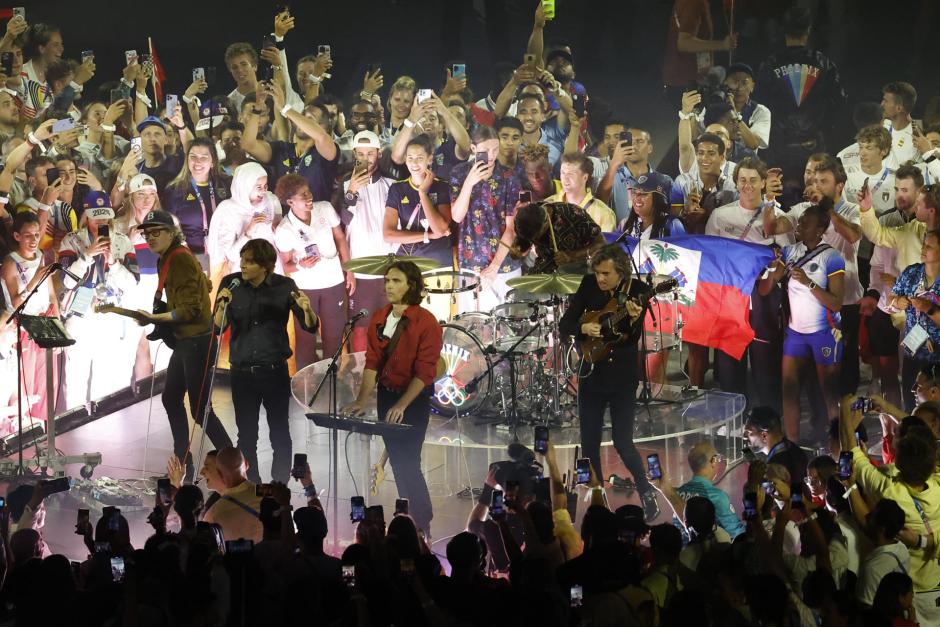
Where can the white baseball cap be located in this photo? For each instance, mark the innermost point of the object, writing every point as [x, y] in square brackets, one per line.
[141, 183]
[366, 139]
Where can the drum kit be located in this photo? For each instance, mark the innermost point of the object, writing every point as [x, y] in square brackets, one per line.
[508, 365]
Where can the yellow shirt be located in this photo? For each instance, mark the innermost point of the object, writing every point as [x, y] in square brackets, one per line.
[235, 520]
[594, 207]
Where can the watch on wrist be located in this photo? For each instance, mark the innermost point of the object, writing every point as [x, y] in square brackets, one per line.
[352, 198]
[812, 285]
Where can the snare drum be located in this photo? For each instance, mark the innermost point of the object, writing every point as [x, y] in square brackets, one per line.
[442, 286]
[464, 359]
[513, 320]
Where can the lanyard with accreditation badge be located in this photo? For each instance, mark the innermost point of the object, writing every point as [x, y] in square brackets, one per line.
[202, 204]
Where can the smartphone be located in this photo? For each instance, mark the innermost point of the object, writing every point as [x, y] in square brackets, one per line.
[541, 431]
[268, 42]
[525, 197]
[52, 175]
[172, 101]
[483, 157]
[862, 404]
[19, 12]
[423, 95]
[62, 484]
[401, 506]
[530, 60]
[750, 505]
[548, 9]
[796, 494]
[114, 520]
[6, 63]
[583, 469]
[130, 56]
[577, 596]
[163, 484]
[359, 167]
[117, 95]
[349, 575]
[458, 70]
[626, 138]
[239, 547]
[88, 54]
[656, 471]
[300, 465]
[63, 125]
[102, 547]
[81, 520]
[858, 440]
[496, 504]
[264, 490]
[136, 144]
[324, 49]
[768, 487]
[117, 569]
[543, 492]
[578, 101]
[357, 509]
[199, 74]
[845, 465]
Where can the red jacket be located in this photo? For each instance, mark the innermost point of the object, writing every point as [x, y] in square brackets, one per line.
[416, 354]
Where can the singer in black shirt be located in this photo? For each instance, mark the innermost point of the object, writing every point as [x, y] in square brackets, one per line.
[259, 303]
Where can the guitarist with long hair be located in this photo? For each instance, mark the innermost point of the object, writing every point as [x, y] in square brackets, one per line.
[186, 321]
[610, 379]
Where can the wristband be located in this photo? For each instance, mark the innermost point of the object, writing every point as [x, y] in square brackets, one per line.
[144, 99]
[812, 285]
[366, 95]
[849, 490]
[127, 82]
[932, 157]
[78, 88]
[32, 140]
[285, 109]
[686, 116]
[107, 128]
[44, 207]
[313, 78]
[310, 491]
[408, 123]
[187, 99]
[4, 199]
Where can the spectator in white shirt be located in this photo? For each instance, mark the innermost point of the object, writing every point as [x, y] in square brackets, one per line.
[897, 101]
[890, 555]
[312, 248]
[241, 59]
[753, 118]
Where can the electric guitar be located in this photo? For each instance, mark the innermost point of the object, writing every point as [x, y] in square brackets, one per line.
[594, 349]
[161, 330]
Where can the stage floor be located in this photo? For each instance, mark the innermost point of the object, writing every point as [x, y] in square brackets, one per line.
[135, 444]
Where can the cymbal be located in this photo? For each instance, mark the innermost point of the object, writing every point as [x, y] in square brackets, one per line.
[378, 264]
[547, 283]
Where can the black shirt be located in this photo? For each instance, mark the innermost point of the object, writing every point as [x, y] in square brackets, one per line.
[589, 297]
[258, 318]
[162, 174]
[791, 456]
[405, 198]
[182, 202]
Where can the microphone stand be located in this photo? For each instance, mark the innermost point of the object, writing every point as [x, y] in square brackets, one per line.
[331, 372]
[15, 316]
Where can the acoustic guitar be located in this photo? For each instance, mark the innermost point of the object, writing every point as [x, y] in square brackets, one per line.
[162, 331]
[594, 349]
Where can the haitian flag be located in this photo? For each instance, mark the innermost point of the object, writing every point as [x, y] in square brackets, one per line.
[716, 276]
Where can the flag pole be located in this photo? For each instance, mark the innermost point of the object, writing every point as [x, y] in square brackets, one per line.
[153, 76]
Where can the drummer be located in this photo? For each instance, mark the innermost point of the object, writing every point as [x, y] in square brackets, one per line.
[562, 233]
[417, 212]
[404, 345]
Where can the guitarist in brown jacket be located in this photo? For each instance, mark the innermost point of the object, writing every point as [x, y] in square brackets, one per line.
[186, 319]
[611, 380]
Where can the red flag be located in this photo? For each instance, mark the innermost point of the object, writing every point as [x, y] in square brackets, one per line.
[159, 76]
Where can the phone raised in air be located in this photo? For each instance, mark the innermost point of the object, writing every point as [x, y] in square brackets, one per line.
[458, 70]
[582, 468]
[626, 138]
[750, 505]
[357, 509]
[541, 431]
[163, 483]
[525, 197]
[401, 507]
[652, 462]
[845, 465]
[300, 465]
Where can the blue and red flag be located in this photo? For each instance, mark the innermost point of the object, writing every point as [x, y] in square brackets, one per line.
[716, 276]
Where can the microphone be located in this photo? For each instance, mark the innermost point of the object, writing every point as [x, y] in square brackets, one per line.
[58, 266]
[362, 314]
[231, 286]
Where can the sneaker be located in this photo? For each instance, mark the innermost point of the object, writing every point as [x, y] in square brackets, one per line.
[622, 483]
[650, 506]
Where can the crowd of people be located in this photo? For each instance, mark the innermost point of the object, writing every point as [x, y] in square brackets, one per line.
[116, 194]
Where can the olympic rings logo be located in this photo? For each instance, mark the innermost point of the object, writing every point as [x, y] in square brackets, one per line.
[448, 389]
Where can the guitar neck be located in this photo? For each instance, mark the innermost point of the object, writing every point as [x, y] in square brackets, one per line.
[121, 311]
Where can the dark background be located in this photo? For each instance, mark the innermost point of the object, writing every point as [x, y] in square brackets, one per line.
[618, 44]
